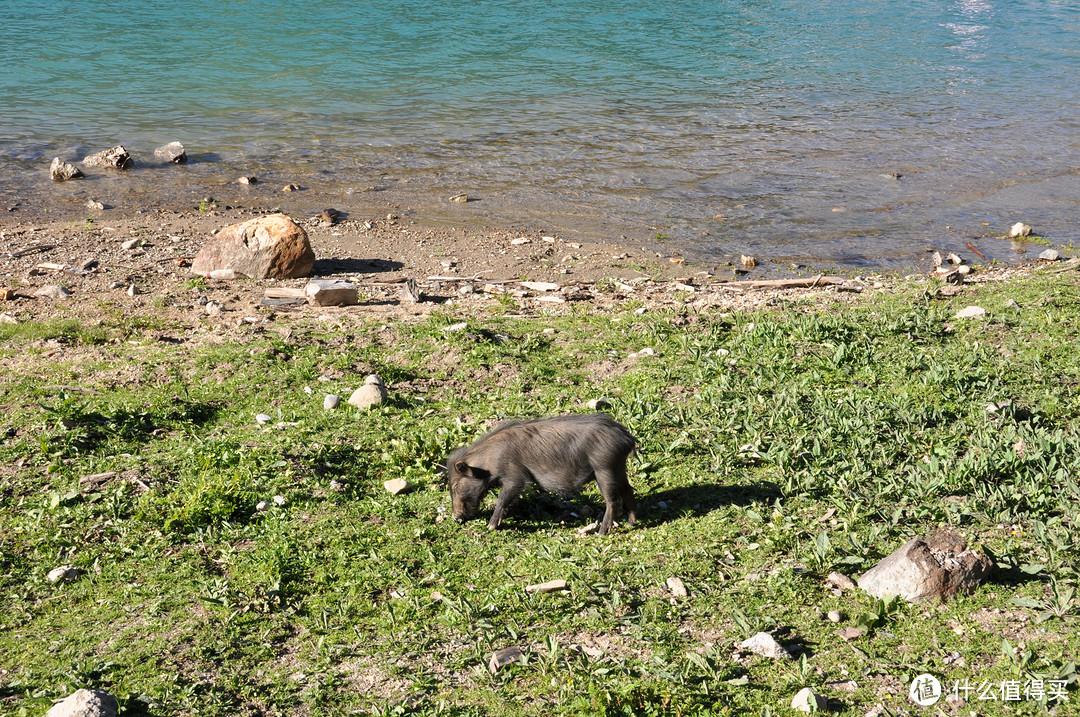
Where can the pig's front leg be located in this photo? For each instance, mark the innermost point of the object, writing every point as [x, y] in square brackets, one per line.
[513, 485]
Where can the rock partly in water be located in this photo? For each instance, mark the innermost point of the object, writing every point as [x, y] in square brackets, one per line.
[269, 247]
[763, 644]
[1020, 230]
[173, 152]
[931, 567]
[116, 157]
[372, 393]
[61, 171]
[85, 703]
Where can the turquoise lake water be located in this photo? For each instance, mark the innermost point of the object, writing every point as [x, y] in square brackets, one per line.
[596, 119]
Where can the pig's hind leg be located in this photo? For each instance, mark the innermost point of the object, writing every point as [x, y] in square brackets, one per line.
[615, 488]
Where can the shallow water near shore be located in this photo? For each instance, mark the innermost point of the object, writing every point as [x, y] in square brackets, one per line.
[852, 133]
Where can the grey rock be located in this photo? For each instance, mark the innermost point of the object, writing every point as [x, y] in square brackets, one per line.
[410, 292]
[173, 152]
[52, 291]
[1050, 255]
[85, 703]
[116, 157]
[835, 616]
[926, 568]
[970, 312]
[502, 658]
[372, 393]
[330, 402]
[1020, 230]
[331, 292]
[806, 700]
[66, 573]
[61, 171]
[839, 580]
[763, 644]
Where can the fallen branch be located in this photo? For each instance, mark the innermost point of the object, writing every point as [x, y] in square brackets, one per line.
[818, 280]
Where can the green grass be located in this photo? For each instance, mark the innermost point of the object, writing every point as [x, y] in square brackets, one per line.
[774, 448]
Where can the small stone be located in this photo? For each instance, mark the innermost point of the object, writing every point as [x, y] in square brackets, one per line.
[763, 644]
[213, 308]
[466, 290]
[590, 528]
[954, 259]
[677, 587]
[963, 269]
[937, 259]
[116, 157]
[549, 587]
[52, 291]
[132, 243]
[970, 312]
[455, 328]
[847, 634]
[133, 290]
[173, 152]
[520, 240]
[266, 247]
[331, 292]
[844, 685]
[410, 292]
[397, 486]
[95, 205]
[540, 285]
[279, 500]
[247, 180]
[806, 700]
[599, 404]
[647, 351]
[1050, 255]
[85, 703]
[67, 573]
[502, 658]
[1020, 230]
[6, 318]
[330, 402]
[290, 188]
[61, 171]
[459, 198]
[262, 505]
[1011, 304]
[835, 616]
[372, 393]
[747, 262]
[839, 580]
[262, 419]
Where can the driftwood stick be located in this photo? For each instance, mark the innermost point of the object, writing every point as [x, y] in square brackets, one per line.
[819, 280]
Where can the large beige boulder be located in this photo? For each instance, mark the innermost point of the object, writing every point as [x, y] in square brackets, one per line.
[269, 247]
[933, 567]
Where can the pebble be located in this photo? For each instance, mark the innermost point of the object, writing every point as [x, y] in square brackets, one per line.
[262, 419]
[599, 404]
[647, 351]
[213, 308]
[763, 644]
[455, 328]
[970, 312]
[397, 486]
[262, 505]
[52, 291]
[549, 587]
[330, 402]
[372, 393]
[677, 587]
[806, 700]
[835, 616]
[279, 500]
[132, 243]
[133, 290]
[839, 580]
[502, 658]
[116, 285]
[1050, 255]
[520, 240]
[67, 573]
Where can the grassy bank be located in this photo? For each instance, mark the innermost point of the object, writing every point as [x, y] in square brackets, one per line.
[775, 447]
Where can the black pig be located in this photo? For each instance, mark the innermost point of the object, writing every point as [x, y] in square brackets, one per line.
[558, 454]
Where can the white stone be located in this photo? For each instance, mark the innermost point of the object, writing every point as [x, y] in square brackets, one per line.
[397, 486]
[806, 700]
[279, 500]
[763, 644]
[970, 312]
[372, 393]
[330, 402]
[540, 285]
[1020, 230]
[85, 703]
[67, 573]
[262, 419]
[52, 291]
[677, 587]
[262, 505]
[549, 587]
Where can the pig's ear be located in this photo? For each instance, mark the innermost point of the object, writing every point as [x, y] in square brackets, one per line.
[463, 468]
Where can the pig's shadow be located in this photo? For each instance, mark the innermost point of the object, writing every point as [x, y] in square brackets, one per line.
[537, 510]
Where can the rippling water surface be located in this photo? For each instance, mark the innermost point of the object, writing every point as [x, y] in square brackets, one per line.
[718, 126]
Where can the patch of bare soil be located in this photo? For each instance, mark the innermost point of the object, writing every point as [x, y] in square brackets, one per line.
[135, 267]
